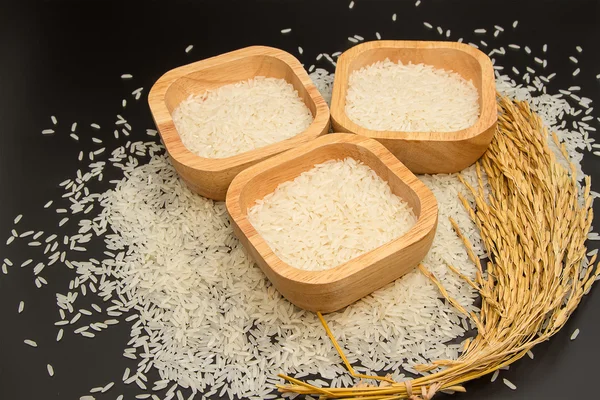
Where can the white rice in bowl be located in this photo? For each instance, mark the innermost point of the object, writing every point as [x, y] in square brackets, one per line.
[330, 214]
[240, 117]
[388, 96]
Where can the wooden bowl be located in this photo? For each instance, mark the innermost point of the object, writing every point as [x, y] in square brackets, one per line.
[332, 289]
[424, 152]
[210, 177]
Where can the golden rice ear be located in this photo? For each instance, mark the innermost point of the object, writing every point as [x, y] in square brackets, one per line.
[535, 226]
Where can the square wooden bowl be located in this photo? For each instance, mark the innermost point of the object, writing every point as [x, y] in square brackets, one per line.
[210, 177]
[424, 152]
[332, 289]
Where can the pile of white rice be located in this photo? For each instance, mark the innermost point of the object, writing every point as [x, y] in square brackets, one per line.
[210, 320]
[387, 96]
[241, 117]
[330, 214]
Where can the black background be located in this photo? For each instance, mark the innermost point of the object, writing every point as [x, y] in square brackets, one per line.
[65, 58]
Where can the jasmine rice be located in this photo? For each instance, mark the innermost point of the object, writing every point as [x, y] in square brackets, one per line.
[388, 96]
[330, 214]
[240, 117]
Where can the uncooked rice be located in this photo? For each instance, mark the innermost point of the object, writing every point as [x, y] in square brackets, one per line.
[240, 117]
[388, 96]
[575, 334]
[330, 214]
[509, 384]
[187, 274]
[198, 301]
[495, 375]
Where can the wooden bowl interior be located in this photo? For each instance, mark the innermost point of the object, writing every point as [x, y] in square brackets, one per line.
[267, 181]
[442, 58]
[234, 71]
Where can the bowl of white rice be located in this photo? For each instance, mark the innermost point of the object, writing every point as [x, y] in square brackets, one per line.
[223, 114]
[333, 220]
[432, 104]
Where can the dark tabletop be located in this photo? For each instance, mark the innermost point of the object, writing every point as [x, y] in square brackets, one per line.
[65, 58]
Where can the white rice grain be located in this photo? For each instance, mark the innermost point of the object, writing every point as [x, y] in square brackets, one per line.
[495, 375]
[509, 384]
[108, 387]
[530, 354]
[575, 334]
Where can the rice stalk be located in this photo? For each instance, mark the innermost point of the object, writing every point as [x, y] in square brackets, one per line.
[534, 223]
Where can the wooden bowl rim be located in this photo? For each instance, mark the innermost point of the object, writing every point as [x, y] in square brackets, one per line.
[172, 140]
[426, 220]
[487, 117]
